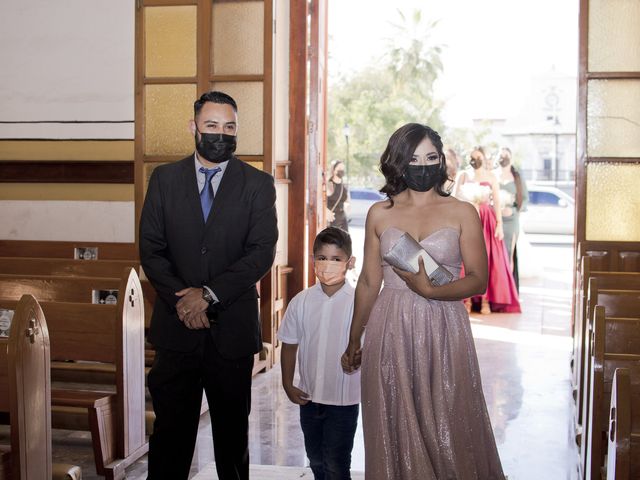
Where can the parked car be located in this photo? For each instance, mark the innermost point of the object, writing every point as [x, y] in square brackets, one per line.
[550, 210]
[361, 201]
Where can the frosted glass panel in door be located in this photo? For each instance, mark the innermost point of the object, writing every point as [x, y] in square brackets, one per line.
[237, 38]
[248, 95]
[170, 41]
[613, 202]
[614, 36]
[613, 118]
[167, 111]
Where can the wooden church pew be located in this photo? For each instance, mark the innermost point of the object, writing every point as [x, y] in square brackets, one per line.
[42, 266]
[24, 370]
[62, 249]
[606, 280]
[51, 288]
[618, 303]
[64, 266]
[113, 334]
[616, 344]
[623, 450]
[596, 281]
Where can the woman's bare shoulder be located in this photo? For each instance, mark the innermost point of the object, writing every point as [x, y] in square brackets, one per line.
[377, 213]
[380, 208]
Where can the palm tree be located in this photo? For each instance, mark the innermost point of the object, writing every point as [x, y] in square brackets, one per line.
[414, 61]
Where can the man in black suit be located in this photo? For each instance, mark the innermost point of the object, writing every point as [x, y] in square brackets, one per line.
[207, 234]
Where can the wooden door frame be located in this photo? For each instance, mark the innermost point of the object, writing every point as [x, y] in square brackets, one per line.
[307, 87]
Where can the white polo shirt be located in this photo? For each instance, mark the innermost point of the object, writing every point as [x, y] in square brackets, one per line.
[319, 325]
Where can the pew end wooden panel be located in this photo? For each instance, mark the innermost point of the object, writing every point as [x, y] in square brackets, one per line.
[24, 364]
[29, 392]
[623, 449]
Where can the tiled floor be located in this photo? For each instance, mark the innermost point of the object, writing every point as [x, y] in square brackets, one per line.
[524, 360]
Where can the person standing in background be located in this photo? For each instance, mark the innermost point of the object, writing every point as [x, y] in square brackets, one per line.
[513, 189]
[337, 197]
[453, 167]
[479, 186]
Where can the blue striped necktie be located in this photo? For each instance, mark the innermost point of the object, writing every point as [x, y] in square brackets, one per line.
[206, 195]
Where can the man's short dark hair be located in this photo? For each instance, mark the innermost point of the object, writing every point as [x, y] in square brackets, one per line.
[333, 236]
[213, 97]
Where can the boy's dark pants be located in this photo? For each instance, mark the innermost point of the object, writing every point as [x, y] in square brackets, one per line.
[328, 438]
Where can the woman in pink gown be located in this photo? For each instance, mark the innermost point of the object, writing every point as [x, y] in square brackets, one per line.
[479, 186]
[423, 410]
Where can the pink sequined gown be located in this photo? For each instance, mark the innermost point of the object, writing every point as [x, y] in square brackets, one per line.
[424, 413]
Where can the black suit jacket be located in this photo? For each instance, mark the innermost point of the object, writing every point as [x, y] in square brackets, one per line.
[229, 254]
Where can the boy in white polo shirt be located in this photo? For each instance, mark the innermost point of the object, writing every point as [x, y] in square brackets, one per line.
[317, 324]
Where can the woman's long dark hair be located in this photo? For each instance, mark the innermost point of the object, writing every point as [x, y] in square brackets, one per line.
[397, 156]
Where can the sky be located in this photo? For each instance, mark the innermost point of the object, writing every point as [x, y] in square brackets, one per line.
[494, 48]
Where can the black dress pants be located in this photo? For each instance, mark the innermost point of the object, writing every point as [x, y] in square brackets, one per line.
[176, 382]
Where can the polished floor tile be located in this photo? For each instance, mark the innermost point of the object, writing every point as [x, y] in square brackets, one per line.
[524, 360]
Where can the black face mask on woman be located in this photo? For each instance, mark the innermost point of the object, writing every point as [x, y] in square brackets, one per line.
[422, 178]
[216, 147]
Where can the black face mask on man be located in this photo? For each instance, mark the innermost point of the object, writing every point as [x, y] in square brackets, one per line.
[215, 147]
[422, 178]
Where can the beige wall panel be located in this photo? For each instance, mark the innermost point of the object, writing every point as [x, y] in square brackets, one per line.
[282, 208]
[613, 118]
[613, 202]
[281, 83]
[67, 150]
[66, 191]
[614, 36]
[168, 109]
[249, 98]
[237, 38]
[170, 41]
[93, 221]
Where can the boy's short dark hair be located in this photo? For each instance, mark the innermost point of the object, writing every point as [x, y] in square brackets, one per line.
[333, 236]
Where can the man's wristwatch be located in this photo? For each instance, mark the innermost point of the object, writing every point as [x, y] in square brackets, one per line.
[207, 296]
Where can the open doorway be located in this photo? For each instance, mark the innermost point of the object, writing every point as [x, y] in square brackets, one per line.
[495, 74]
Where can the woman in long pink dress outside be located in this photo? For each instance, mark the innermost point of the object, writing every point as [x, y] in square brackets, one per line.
[423, 410]
[479, 186]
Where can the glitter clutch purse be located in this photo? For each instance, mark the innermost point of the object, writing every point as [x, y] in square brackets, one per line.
[404, 255]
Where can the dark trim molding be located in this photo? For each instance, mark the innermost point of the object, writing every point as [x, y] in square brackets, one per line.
[53, 171]
[613, 160]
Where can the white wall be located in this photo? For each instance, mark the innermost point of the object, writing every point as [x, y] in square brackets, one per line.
[67, 61]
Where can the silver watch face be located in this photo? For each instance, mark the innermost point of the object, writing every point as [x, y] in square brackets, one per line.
[206, 295]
